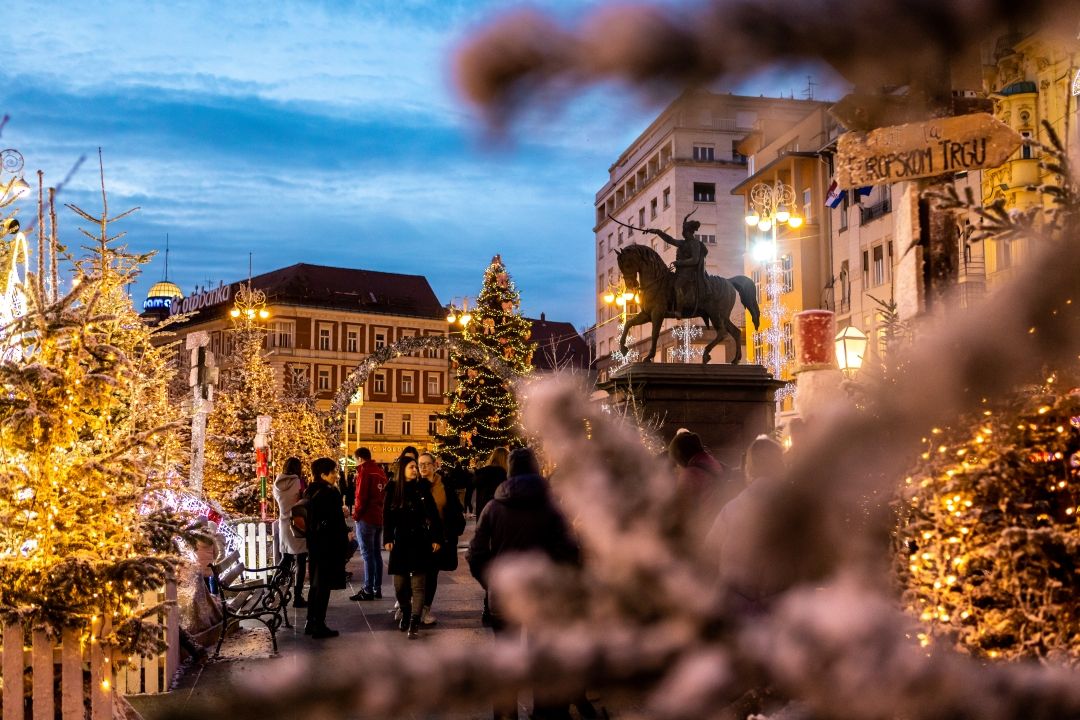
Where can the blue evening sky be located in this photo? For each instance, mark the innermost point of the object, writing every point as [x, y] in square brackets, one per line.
[322, 132]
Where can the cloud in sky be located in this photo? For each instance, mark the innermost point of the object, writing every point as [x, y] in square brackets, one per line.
[322, 132]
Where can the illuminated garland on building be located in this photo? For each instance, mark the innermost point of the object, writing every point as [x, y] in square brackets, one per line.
[483, 413]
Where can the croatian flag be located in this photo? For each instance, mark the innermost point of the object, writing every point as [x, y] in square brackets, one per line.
[835, 196]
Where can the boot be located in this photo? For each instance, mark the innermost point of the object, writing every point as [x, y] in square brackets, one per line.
[414, 627]
[403, 623]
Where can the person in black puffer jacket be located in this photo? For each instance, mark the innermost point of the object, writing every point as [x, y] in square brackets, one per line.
[521, 518]
[413, 534]
[327, 542]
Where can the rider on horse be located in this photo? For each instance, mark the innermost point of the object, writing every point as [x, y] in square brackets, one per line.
[690, 278]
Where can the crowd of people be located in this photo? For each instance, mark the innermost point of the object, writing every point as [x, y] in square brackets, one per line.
[418, 511]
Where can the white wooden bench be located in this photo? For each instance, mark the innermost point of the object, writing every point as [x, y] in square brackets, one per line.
[264, 597]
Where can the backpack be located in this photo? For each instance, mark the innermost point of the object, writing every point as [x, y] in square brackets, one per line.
[298, 518]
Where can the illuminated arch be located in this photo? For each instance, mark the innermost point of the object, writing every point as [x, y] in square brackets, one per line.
[406, 346]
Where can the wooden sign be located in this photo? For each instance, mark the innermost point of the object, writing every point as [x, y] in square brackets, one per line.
[925, 149]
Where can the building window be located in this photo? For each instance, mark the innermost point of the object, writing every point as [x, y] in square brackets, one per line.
[845, 287]
[667, 198]
[843, 212]
[755, 275]
[652, 208]
[352, 424]
[379, 423]
[380, 381]
[705, 192]
[283, 334]
[787, 276]
[1026, 149]
[324, 379]
[324, 336]
[807, 206]
[737, 156]
[630, 230]
[641, 217]
[1002, 254]
[406, 383]
[879, 265]
[432, 424]
[788, 347]
[707, 239]
[300, 379]
[600, 250]
[432, 352]
[433, 385]
[865, 269]
[352, 340]
[406, 424]
[620, 238]
[380, 339]
[704, 153]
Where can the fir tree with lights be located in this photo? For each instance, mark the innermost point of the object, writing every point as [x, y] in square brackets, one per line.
[81, 533]
[247, 389]
[988, 542]
[483, 413]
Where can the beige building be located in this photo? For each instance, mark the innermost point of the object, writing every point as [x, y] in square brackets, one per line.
[686, 161]
[324, 321]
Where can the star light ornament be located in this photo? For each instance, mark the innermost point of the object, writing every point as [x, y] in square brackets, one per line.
[686, 334]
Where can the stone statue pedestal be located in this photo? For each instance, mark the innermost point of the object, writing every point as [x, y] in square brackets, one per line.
[727, 405]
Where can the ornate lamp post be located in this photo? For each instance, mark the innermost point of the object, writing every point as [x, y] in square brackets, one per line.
[458, 315]
[772, 205]
[620, 296]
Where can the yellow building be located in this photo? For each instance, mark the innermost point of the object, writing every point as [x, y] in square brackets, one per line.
[792, 159]
[1030, 79]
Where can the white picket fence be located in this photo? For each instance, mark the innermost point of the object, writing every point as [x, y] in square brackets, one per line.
[55, 671]
[259, 545]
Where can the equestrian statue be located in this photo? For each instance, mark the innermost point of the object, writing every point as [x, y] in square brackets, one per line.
[685, 293]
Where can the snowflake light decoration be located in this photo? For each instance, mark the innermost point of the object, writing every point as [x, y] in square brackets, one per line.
[686, 334]
[623, 359]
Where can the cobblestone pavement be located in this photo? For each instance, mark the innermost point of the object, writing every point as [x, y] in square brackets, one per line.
[245, 655]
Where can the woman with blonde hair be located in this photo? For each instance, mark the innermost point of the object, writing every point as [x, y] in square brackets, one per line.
[489, 477]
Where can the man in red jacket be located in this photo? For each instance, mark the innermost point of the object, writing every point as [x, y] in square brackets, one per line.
[368, 514]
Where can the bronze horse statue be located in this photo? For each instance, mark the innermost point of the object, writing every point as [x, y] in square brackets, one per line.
[646, 273]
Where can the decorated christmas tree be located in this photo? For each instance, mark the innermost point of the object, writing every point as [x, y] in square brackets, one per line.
[81, 536]
[483, 412]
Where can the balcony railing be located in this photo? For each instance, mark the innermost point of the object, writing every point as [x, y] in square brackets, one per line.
[869, 214]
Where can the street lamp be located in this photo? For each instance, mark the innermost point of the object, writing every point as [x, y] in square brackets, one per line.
[620, 296]
[850, 347]
[249, 306]
[771, 205]
[461, 315]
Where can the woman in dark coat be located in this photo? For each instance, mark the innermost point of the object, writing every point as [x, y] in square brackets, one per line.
[522, 518]
[327, 542]
[412, 533]
[453, 523]
[489, 477]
